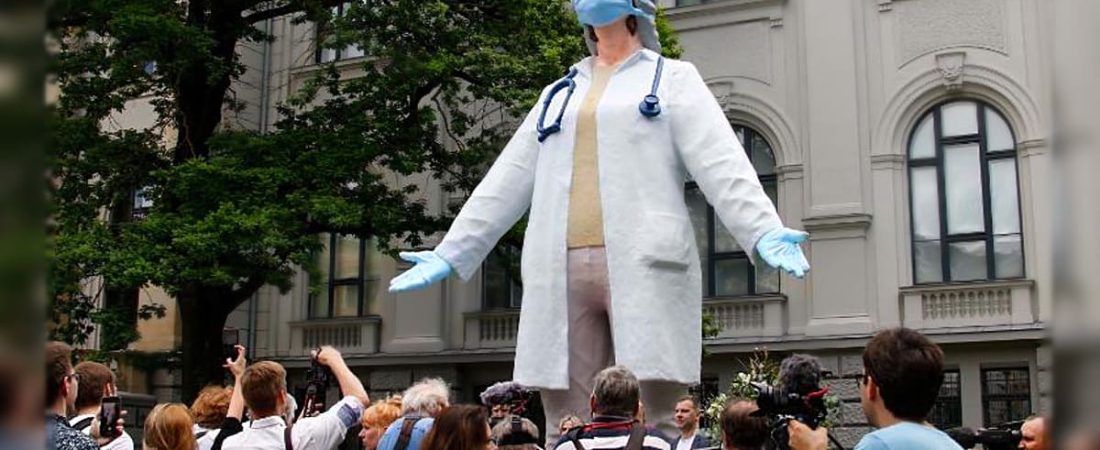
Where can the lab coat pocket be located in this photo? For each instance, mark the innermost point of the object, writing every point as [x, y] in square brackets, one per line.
[664, 242]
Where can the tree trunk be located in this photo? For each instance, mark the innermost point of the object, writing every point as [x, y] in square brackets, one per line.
[202, 317]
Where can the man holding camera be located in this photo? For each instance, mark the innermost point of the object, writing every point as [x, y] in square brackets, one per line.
[96, 382]
[902, 373]
[263, 386]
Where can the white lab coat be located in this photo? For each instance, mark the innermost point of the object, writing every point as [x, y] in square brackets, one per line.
[653, 263]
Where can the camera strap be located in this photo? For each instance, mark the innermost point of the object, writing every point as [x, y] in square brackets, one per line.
[634, 442]
[287, 442]
[637, 436]
[406, 433]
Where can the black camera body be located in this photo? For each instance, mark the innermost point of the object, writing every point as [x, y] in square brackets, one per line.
[318, 378]
[780, 406]
[1004, 436]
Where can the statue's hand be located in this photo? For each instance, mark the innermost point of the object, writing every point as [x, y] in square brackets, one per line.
[429, 268]
[780, 249]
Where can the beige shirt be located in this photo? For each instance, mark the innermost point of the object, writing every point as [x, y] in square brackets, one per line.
[585, 210]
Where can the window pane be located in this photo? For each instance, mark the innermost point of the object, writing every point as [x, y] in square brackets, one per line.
[967, 260]
[1003, 199]
[928, 266]
[997, 134]
[926, 203]
[706, 276]
[495, 288]
[697, 208]
[347, 257]
[964, 189]
[731, 277]
[772, 193]
[517, 294]
[924, 140]
[950, 386]
[1008, 256]
[328, 55]
[959, 118]
[767, 278]
[762, 159]
[345, 300]
[323, 258]
[723, 242]
[352, 51]
[371, 301]
[319, 305]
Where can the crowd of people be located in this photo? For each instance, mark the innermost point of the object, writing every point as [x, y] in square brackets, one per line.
[902, 374]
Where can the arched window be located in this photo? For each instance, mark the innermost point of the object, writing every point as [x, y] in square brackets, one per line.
[726, 268]
[964, 201]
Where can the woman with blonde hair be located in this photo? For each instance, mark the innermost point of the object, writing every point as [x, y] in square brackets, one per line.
[377, 418]
[168, 427]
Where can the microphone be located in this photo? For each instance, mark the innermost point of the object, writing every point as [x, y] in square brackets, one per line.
[964, 436]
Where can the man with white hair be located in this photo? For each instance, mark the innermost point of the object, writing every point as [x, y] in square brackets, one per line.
[420, 405]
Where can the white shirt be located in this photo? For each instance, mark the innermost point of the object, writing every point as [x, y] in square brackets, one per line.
[685, 442]
[207, 440]
[123, 442]
[323, 432]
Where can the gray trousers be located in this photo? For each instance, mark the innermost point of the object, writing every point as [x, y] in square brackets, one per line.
[592, 349]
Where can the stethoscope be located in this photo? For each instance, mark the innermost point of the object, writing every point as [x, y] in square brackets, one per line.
[650, 106]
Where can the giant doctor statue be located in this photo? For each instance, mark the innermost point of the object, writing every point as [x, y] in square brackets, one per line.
[610, 268]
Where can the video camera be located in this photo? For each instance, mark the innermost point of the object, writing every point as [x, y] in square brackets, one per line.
[780, 406]
[318, 378]
[1004, 436]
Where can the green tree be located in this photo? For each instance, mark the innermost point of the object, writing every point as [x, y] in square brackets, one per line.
[234, 210]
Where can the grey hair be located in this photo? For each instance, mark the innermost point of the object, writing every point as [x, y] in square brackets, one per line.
[426, 398]
[616, 392]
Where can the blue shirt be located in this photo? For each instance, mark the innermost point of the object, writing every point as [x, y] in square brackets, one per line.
[420, 429]
[907, 436]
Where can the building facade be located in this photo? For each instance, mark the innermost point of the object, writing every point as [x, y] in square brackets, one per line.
[909, 137]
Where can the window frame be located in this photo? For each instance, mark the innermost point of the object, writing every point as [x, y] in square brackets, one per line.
[318, 39]
[712, 258]
[952, 402]
[332, 282]
[988, 236]
[515, 299]
[988, 398]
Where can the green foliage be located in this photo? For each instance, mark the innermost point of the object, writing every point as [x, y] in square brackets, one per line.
[670, 43]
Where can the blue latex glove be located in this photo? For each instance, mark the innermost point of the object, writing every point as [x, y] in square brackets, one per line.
[429, 268]
[779, 248]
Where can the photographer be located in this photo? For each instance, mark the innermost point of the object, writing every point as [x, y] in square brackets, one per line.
[263, 387]
[797, 398]
[96, 382]
[902, 373]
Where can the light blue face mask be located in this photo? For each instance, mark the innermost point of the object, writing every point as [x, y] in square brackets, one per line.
[598, 13]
